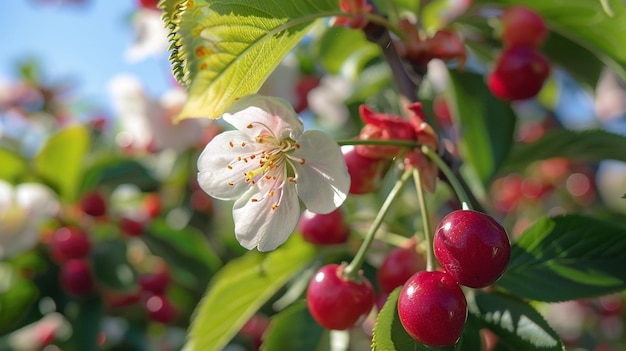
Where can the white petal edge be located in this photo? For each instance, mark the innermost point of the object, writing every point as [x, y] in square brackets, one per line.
[272, 112]
[323, 181]
[214, 176]
[257, 225]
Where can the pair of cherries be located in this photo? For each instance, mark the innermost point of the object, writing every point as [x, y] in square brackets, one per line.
[473, 250]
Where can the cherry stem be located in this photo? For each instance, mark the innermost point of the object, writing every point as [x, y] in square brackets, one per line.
[351, 271]
[454, 181]
[428, 234]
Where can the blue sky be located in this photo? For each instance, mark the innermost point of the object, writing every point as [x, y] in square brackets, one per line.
[82, 43]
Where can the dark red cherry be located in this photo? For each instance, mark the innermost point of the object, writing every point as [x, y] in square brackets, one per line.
[131, 226]
[76, 277]
[69, 243]
[522, 26]
[336, 302]
[324, 229]
[93, 204]
[156, 282]
[160, 309]
[432, 308]
[472, 247]
[519, 74]
[366, 174]
[398, 266]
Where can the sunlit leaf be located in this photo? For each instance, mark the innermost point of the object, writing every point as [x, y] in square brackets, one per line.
[567, 258]
[60, 160]
[516, 323]
[223, 50]
[240, 288]
[13, 165]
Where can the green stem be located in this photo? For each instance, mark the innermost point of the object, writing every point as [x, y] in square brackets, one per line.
[352, 270]
[428, 234]
[386, 142]
[454, 182]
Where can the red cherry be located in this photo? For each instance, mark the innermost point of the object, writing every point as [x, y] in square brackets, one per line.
[519, 74]
[366, 174]
[148, 4]
[399, 265]
[432, 308]
[131, 227]
[76, 277]
[160, 309]
[93, 204]
[152, 205]
[324, 229]
[118, 300]
[337, 303]
[472, 247]
[255, 327]
[522, 26]
[156, 282]
[304, 86]
[69, 243]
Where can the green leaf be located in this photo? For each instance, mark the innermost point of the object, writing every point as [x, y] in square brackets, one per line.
[115, 171]
[587, 145]
[111, 266]
[224, 50]
[59, 162]
[585, 23]
[487, 123]
[13, 165]
[17, 295]
[187, 251]
[516, 323]
[294, 330]
[567, 258]
[340, 46]
[581, 63]
[86, 326]
[240, 288]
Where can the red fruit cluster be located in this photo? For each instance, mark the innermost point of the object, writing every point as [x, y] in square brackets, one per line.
[473, 250]
[521, 69]
[337, 302]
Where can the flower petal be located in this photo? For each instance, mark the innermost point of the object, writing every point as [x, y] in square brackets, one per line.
[323, 180]
[258, 225]
[39, 201]
[258, 114]
[215, 176]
